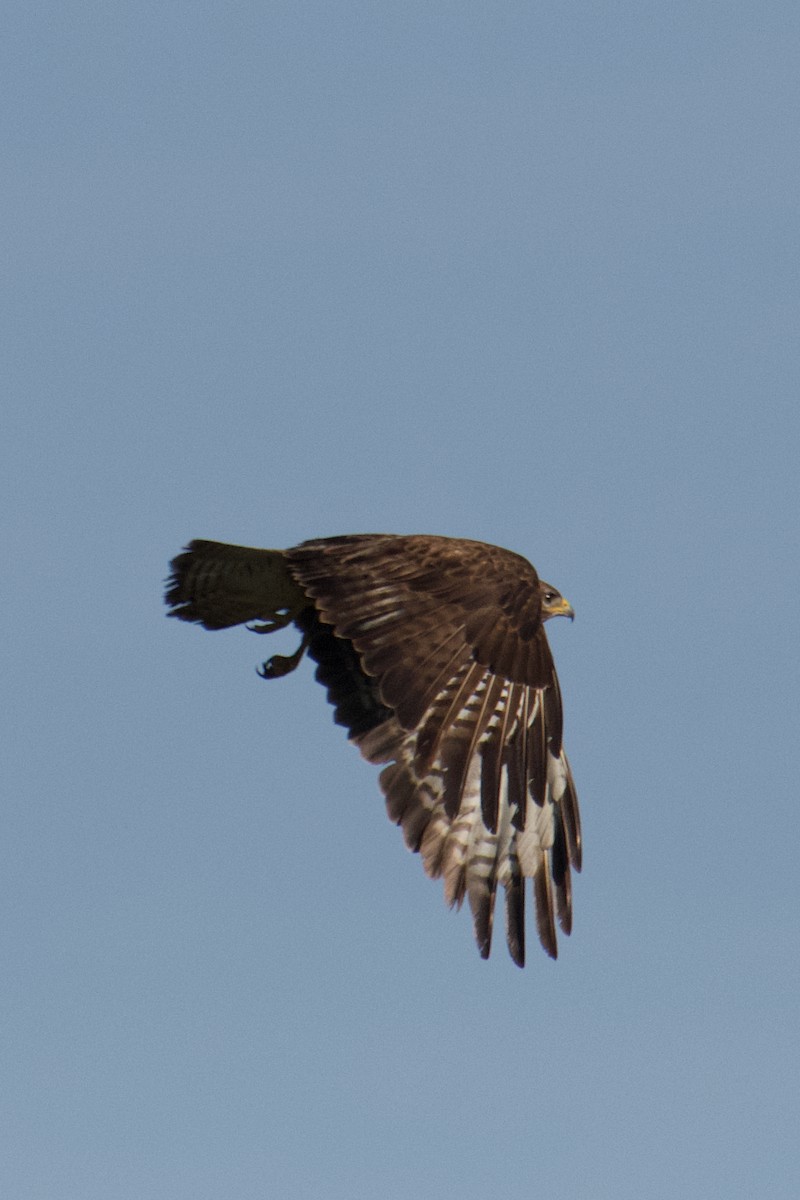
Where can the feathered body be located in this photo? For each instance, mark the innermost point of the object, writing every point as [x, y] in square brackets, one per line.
[434, 655]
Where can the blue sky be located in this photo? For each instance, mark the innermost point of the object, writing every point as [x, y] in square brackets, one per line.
[525, 273]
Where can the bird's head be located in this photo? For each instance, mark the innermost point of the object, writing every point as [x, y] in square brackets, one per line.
[553, 603]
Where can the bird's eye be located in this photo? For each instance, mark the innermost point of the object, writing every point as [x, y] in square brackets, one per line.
[550, 597]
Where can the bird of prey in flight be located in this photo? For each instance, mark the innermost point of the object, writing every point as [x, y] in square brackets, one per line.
[434, 655]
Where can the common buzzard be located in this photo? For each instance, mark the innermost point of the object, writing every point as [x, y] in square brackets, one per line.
[434, 655]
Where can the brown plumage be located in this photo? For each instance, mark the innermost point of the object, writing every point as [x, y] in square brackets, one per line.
[435, 658]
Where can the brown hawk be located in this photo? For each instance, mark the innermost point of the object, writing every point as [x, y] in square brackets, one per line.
[435, 658]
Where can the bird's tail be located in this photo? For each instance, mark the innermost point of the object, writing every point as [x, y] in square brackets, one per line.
[218, 585]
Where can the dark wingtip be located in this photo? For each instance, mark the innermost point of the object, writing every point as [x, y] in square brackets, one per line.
[515, 921]
[545, 922]
[483, 919]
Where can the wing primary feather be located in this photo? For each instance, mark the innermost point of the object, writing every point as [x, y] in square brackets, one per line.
[515, 919]
[571, 817]
[483, 918]
[458, 753]
[520, 784]
[537, 755]
[561, 878]
[491, 772]
[493, 755]
[553, 715]
[440, 725]
[543, 892]
[453, 757]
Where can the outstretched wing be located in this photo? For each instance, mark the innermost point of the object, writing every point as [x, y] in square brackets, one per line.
[463, 705]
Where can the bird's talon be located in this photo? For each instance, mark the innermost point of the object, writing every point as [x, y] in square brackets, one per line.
[282, 664]
[275, 667]
[279, 621]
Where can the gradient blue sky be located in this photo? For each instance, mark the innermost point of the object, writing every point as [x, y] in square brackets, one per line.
[521, 272]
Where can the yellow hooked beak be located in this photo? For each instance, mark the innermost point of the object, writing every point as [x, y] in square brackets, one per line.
[560, 608]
